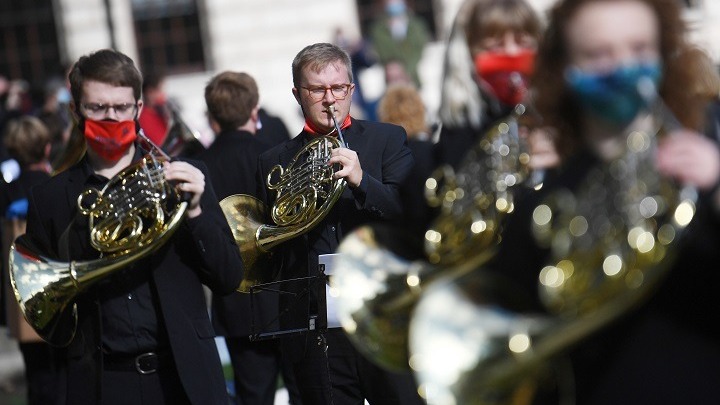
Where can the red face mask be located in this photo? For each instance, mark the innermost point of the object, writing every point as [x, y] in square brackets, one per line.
[507, 75]
[109, 139]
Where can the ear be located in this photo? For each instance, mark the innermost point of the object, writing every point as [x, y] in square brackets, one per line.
[140, 105]
[296, 94]
[255, 113]
[46, 152]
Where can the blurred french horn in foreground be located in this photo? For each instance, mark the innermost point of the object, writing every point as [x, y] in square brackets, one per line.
[131, 217]
[611, 242]
[305, 193]
[382, 272]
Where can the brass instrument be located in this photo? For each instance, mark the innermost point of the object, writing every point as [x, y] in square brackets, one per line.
[611, 243]
[305, 193]
[474, 200]
[378, 285]
[180, 139]
[131, 217]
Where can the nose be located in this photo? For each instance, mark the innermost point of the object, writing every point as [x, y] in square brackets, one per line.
[112, 113]
[510, 44]
[328, 97]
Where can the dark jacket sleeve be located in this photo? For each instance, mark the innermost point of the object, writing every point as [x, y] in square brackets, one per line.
[381, 196]
[221, 266]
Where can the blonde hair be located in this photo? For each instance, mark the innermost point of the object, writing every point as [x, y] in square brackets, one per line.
[402, 105]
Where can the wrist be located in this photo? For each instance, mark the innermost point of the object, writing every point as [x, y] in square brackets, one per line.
[194, 212]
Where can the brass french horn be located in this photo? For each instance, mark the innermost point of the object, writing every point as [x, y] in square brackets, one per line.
[305, 193]
[131, 217]
[378, 286]
[611, 242]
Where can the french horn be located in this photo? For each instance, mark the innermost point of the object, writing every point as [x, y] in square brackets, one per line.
[611, 242]
[136, 212]
[305, 193]
[378, 282]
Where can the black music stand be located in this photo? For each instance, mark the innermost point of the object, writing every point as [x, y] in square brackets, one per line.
[302, 307]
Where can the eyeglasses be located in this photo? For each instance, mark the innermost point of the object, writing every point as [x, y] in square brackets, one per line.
[339, 91]
[95, 110]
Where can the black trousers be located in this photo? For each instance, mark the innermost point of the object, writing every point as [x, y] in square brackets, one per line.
[40, 372]
[340, 375]
[256, 366]
[130, 387]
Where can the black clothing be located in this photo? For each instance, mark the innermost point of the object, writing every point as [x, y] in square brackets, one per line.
[232, 161]
[385, 160]
[201, 251]
[272, 129]
[39, 358]
[666, 351]
[417, 214]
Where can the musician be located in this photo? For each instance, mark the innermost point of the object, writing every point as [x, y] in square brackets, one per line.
[28, 141]
[595, 53]
[233, 112]
[488, 64]
[143, 334]
[374, 162]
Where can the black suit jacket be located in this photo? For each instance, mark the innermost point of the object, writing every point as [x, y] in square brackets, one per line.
[232, 160]
[202, 251]
[386, 161]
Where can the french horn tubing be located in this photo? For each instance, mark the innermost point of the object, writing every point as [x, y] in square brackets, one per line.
[377, 282]
[136, 212]
[305, 193]
[612, 241]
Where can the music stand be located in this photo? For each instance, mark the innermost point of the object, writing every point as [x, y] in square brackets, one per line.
[302, 307]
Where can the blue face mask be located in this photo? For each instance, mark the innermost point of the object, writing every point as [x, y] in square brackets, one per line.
[395, 8]
[613, 96]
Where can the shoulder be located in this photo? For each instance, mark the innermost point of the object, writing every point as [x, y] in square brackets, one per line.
[379, 128]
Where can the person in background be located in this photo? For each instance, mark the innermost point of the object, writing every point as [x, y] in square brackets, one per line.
[233, 112]
[601, 67]
[28, 141]
[374, 162]
[55, 114]
[399, 35]
[143, 333]
[155, 116]
[362, 57]
[271, 129]
[402, 105]
[488, 63]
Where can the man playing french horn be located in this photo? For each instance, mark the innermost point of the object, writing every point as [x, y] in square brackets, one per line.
[142, 333]
[373, 159]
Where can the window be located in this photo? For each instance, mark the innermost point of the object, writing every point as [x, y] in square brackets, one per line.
[29, 47]
[169, 36]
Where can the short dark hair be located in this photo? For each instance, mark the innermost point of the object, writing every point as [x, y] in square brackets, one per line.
[317, 57]
[230, 98]
[105, 66]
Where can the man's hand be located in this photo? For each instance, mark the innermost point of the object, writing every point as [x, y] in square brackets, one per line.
[689, 157]
[351, 170]
[189, 179]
